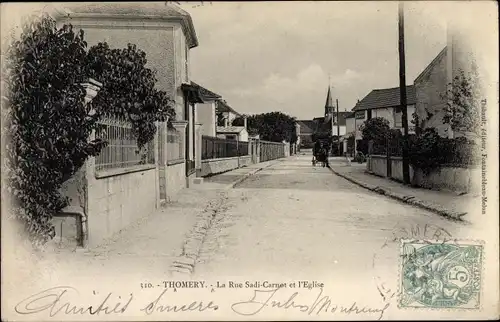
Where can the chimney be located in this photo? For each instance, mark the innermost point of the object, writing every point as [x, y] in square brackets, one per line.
[226, 121]
[245, 121]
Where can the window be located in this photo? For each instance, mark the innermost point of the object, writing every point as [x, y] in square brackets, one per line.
[398, 117]
[369, 114]
[360, 115]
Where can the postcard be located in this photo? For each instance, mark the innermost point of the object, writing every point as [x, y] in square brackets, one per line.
[299, 160]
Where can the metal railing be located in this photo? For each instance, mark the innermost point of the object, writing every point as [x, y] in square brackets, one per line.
[122, 150]
[216, 148]
[271, 150]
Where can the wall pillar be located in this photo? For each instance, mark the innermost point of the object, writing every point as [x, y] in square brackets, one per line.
[157, 164]
[180, 126]
[162, 129]
[257, 150]
[198, 145]
[92, 88]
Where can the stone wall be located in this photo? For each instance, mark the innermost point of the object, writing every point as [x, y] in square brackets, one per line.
[456, 179]
[116, 201]
[450, 178]
[214, 166]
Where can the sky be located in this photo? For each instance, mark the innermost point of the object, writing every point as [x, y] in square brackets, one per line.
[278, 56]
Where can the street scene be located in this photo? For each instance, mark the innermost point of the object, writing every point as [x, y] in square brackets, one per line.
[209, 160]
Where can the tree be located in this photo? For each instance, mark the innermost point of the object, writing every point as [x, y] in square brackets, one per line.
[47, 124]
[463, 109]
[129, 88]
[274, 126]
[375, 129]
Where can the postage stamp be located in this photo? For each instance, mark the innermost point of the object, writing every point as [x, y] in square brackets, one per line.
[440, 275]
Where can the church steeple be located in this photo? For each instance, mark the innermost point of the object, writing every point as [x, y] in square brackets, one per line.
[329, 108]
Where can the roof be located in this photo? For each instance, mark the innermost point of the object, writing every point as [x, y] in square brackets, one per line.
[205, 93]
[329, 99]
[387, 97]
[428, 68]
[130, 10]
[307, 126]
[223, 107]
[230, 129]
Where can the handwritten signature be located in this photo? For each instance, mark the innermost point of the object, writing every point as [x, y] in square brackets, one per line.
[322, 304]
[56, 300]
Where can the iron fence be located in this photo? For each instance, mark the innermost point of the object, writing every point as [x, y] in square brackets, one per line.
[271, 150]
[122, 150]
[216, 148]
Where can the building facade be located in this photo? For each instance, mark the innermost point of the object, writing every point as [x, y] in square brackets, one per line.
[166, 34]
[384, 103]
[434, 82]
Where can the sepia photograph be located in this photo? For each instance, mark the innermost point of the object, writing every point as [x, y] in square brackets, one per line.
[253, 160]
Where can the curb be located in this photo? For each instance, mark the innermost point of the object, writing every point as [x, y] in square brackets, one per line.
[183, 265]
[408, 199]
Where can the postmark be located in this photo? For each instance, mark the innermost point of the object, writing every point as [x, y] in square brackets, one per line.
[439, 275]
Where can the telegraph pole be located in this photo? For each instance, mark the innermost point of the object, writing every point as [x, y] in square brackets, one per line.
[402, 89]
[338, 128]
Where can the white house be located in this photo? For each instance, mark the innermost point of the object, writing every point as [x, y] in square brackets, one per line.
[384, 103]
[232, 132]
[166, 34]
[226, 112]
[206, 113]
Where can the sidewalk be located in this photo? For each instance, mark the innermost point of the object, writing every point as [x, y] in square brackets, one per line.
[444, 203]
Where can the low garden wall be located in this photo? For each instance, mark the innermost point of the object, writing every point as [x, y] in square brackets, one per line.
[118, 200]
[220, 165]
[452, 178]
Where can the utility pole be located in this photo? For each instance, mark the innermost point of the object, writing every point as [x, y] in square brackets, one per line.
[402, 89]
[338, 128]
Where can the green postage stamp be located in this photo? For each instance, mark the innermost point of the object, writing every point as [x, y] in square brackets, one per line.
[440, 275]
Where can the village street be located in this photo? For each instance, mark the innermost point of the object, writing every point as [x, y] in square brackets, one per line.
[288, 222]
[293, 221]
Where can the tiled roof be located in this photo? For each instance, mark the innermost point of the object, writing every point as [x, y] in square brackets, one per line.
[223, 107]
[159, 10]
[387, 97]
[307, 126]
[207, 94]
[230, 129]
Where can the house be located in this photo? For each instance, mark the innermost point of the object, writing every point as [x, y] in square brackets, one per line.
[306, 130]
[384, 103]
[350, 130]
[224, 111]
[433, 82]
[166, 34]
[206, 114]
[233, 132]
